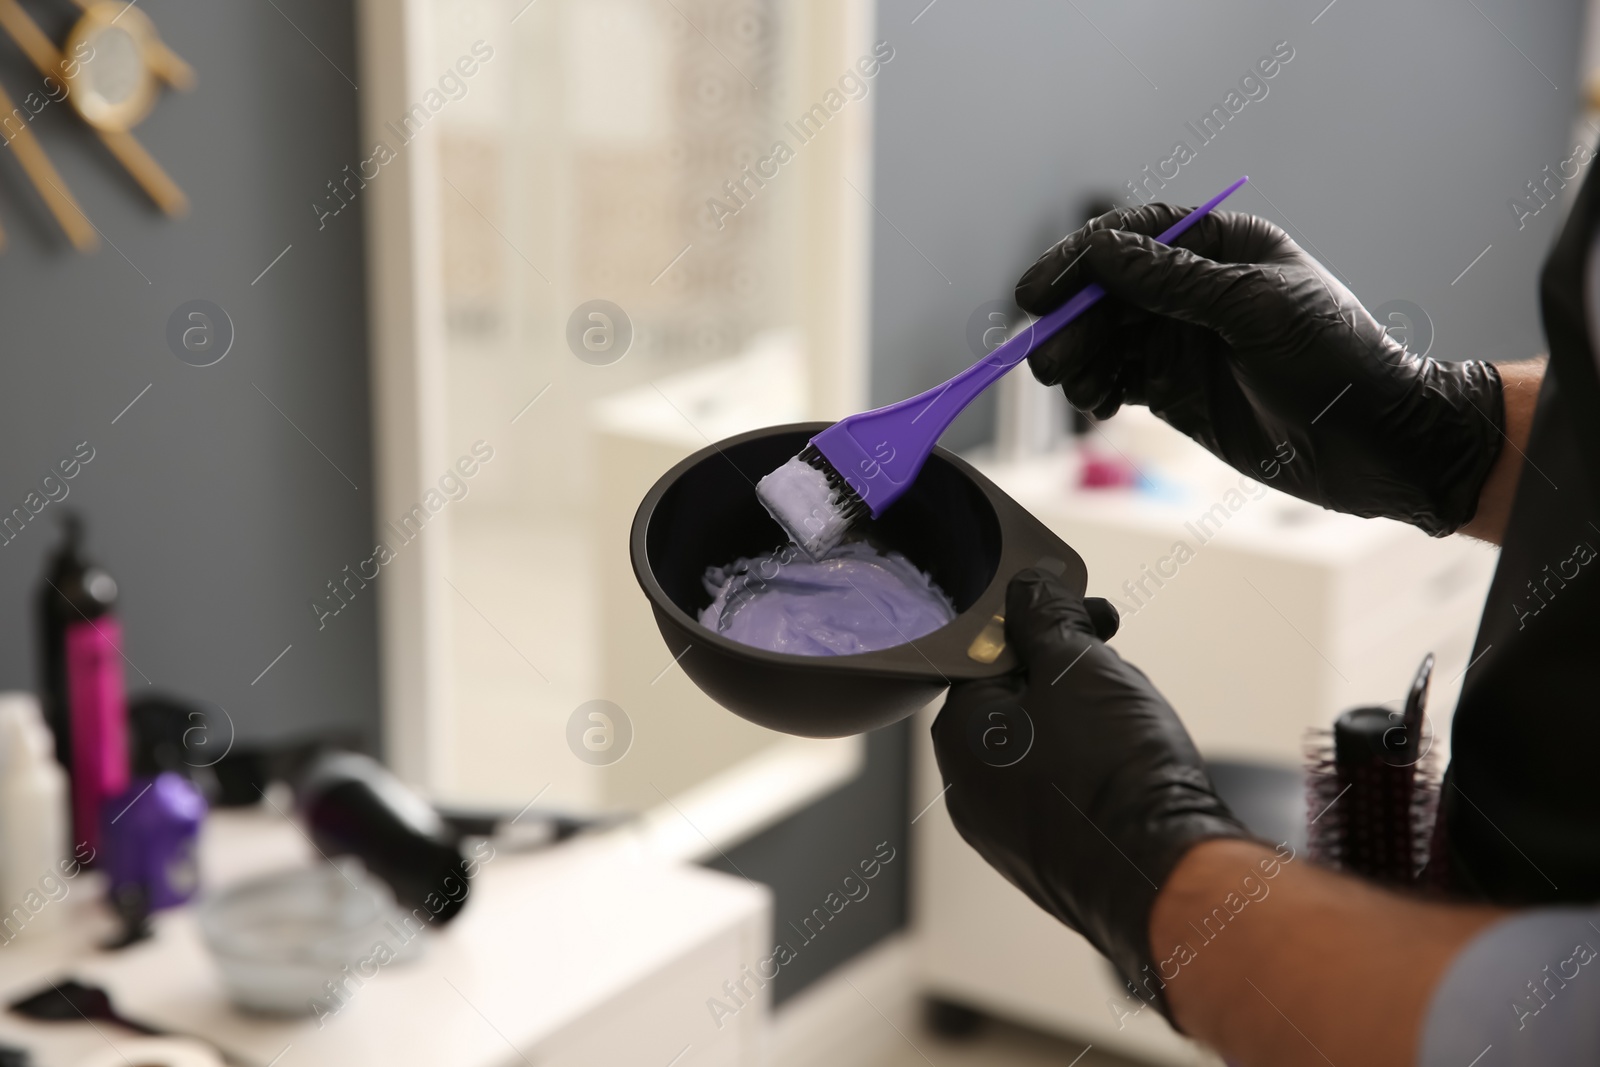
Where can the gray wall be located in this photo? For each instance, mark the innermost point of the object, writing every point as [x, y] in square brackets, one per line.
[1391, 142]
[218, 518]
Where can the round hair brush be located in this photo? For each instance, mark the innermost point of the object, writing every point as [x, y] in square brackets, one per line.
[1372, 792]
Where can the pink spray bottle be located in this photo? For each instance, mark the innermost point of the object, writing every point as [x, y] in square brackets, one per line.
[84, 696]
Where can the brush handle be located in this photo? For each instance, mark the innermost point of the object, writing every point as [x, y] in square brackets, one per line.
[879, 452]
[1417, 699]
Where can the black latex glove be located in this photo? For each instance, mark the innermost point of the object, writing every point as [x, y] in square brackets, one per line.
[1076, 780]
[1244, 342]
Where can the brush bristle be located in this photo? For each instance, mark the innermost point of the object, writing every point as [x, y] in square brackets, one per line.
[812, 501]
[1370, 818]
[850, 504]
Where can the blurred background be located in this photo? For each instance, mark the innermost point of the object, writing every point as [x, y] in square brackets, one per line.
[377, 319]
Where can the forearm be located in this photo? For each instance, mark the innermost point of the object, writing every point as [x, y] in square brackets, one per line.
[1520, 383]
[1302, 967]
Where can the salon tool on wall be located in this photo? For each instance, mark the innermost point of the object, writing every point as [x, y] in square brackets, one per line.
[49, 183]
[84, 700]
[112, 62]
[953, 524]
[353, 806]
[1372, 792]
[33, 812]
[151, 831]
[861, 464]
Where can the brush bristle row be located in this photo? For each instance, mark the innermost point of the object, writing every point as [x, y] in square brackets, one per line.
[850, 504]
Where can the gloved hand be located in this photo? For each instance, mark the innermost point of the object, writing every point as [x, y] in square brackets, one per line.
[1076, 780]
[1244, 342]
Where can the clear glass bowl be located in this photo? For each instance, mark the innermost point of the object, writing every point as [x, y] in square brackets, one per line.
[282, 938]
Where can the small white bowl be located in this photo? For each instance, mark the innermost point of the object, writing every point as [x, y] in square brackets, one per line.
[282, 938]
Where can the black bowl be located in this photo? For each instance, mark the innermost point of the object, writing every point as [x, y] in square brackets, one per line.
[953, 523]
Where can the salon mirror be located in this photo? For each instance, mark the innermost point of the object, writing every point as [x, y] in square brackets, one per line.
[113, 86]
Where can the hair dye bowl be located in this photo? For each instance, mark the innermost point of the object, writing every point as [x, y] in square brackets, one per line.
[953, 526]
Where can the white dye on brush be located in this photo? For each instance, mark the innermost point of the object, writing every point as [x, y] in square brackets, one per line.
[809, 509]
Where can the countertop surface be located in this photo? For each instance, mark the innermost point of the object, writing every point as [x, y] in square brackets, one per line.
[545, 938]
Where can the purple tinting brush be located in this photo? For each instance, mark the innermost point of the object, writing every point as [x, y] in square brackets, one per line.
[860, 465]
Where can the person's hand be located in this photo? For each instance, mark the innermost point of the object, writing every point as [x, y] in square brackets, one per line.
[1075, 779]
[1244, 342]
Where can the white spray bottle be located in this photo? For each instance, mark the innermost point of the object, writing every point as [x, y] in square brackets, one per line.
[33, 820]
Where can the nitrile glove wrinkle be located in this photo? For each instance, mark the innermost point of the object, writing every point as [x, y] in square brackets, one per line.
[1110, 794]
[1247, 344]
